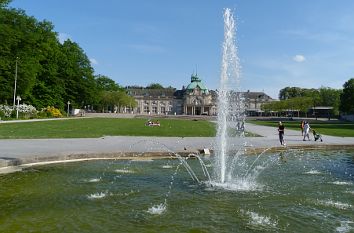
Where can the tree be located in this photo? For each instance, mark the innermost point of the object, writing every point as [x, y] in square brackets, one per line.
[290, 92]
[77, 73]
[155, 86]
[110, 99]
[347, 97]
[330, 97]
[20, 40]
[49, 73]
[299, 104]
[49, 88]
[106, 84]
[4, 3]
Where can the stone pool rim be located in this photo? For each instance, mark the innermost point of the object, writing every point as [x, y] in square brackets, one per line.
[17, 164]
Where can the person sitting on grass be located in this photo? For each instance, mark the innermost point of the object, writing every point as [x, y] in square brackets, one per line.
[151, 123]
[316, 135]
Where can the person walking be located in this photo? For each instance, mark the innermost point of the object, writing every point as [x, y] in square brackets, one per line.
[281, 133]
[306, 131]
[302, 127]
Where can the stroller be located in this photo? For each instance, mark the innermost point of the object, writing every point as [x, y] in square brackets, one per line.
[317, 136]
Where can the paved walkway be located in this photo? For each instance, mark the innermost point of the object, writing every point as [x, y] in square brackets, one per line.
[21, 151]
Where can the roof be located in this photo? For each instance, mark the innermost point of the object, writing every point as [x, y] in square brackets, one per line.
[165, 92]
[256, 95]
[196, 82]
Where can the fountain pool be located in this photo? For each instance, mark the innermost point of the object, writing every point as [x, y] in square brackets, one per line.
[299, 191]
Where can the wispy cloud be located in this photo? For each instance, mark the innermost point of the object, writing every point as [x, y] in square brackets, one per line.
[299, 58]
[93, 61]
[63, 37]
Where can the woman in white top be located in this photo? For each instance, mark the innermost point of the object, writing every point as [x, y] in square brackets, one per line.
[306, 131]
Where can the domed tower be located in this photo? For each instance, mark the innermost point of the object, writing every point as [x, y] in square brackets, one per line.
[197, 99]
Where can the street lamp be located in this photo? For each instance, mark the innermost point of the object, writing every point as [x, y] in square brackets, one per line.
[67, 114]
[15, 82]
[18, 98]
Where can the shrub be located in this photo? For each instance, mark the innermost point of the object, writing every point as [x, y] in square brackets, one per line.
[50, 111]
[26, 111]
[5, 111]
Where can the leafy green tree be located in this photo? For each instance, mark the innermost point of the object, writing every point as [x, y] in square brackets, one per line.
[49, 87]
[76, 71]
[290, 92]
[110, 99]
[314, 94]
[127, 101]
[106, 84]
[323, 96]
[105, 100]
[347, 97]
[155, 86]
[330, 97]
[298, 104]
[49, 73]
[20, 39]
[4, 3]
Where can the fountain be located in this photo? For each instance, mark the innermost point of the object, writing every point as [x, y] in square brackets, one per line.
[231, 117]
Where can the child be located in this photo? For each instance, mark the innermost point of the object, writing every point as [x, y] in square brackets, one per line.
[316, 135]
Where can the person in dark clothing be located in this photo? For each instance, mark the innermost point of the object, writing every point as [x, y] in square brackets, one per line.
[281, 133]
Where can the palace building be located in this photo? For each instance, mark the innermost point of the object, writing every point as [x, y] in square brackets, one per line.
[195, 99]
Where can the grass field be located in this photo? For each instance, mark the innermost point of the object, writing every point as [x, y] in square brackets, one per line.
[339, 129]
[99, 127]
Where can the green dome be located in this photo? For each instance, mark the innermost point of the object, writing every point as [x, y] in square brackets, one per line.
[197, 82]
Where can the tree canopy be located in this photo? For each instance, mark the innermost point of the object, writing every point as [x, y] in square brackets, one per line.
[48, 73]
[155, 86]
[347, 97]
[305, 97]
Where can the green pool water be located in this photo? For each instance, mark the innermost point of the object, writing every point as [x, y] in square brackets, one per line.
[296, 192]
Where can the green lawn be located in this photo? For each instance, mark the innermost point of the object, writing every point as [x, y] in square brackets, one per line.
[98, 127]
[340, 129]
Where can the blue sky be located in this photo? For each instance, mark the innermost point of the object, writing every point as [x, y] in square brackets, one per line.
[280, 43]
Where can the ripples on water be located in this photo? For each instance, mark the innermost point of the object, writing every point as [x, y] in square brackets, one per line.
[96, 195]
[302, 192]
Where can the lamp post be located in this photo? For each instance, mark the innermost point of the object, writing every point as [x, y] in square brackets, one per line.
[15, 82]
[67, 114]
[18, 98]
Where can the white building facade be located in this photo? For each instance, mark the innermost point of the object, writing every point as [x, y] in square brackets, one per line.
[195, 99]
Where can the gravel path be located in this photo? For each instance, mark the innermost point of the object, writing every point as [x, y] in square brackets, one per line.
[22, 151]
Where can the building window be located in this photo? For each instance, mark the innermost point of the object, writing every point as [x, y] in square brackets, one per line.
[154, 109]
[146, 109]
[163, 110]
